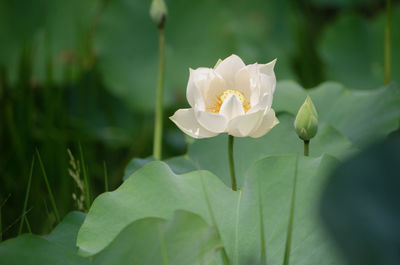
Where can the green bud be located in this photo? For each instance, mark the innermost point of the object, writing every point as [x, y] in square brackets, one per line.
[158, 12]
[306, 122]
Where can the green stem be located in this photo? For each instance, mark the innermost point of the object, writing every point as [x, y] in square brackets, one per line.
[52, 200]
[28, 189]
[306, 148]
[388, 41]
[231, 162]
[158, 123]
[288, 244]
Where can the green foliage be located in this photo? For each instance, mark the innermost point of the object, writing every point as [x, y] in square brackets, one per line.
[56, 248]
[185, 239]
[360, 205]
[361, 116]
[85, 71]
[347, 118]
[352, 48]
[126, 43]
[156, 191]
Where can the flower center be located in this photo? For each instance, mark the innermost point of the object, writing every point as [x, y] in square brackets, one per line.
[224, 95]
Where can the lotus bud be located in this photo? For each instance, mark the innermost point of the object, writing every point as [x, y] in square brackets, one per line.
[158, 12]
[306, 122]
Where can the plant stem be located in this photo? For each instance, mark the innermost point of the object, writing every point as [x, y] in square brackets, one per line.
[388, 41]
[288, 244]
[231, 162]
[28, 189]
[306, 148]
[158, 123]
[52, 200]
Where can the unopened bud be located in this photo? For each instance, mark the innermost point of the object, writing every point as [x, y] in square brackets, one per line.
[306, 122]
[158, 12]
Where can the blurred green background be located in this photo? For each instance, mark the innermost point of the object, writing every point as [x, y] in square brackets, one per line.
[76, 72]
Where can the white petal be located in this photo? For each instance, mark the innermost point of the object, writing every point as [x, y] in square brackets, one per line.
[268, 122]
[243, 125]
[231, 107]
[215, 87]
[244, 82]
[268, 70]
[228, 68]
[186, 121]
[201, 81]
[192, 90]
[211, 121]
[264, 104]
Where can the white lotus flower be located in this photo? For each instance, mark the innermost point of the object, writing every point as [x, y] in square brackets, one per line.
[233, 97]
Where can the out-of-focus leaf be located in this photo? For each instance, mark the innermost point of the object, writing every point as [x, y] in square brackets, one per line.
[362, 116]
[53, 34]
[352, 48]
[136, 164]
[178, 164]
[360, 205]
[345, 3]
[181, 164]
[156, 191]
[57, 248]
[126, 42]
[185, 239]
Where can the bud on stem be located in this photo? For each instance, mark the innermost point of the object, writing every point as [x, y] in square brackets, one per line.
[158, 12]
[306, 123]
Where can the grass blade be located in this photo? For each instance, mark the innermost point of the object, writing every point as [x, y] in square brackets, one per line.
[290, 225]
[85, 179]
[1, 224]
[27, 224]
[1, 228]
[28, 189]
[52, 200]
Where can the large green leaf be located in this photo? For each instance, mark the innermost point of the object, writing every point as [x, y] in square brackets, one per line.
[156, 191]
[57, 248]
[360, 205]
[352, 49]
[126, 43]
[65, 233]
[186, 239]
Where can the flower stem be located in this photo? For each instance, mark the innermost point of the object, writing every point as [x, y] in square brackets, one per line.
[231, 162]
[388, 41]
[306, 148]
[158, 123]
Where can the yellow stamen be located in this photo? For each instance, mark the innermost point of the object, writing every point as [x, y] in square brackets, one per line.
[224, 95]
